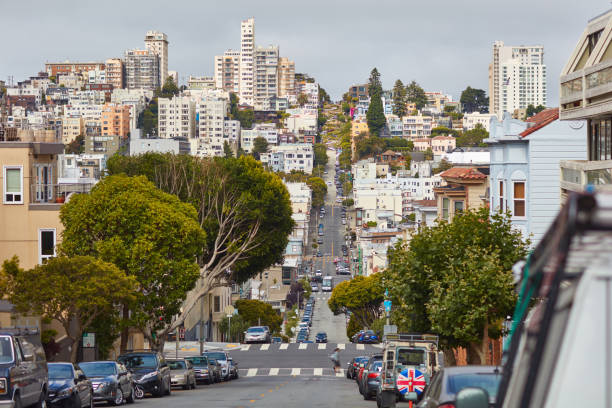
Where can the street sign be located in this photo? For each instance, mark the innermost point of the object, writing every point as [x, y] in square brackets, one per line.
[89, 340]
[387, 304]
[389, 328]
[229, 310]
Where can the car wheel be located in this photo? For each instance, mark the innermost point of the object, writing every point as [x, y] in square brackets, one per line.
[118, 397]
[139, 392]
[132, 397]
[169, 388]
[91, 402]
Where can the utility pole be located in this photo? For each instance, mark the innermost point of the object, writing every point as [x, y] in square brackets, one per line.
[201, 325]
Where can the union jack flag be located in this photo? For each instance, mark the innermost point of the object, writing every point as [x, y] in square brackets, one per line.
[410, 380]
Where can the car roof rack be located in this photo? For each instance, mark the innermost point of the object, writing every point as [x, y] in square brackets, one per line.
[429, 338]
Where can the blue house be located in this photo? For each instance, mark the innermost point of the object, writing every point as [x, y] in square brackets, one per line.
[524, 171]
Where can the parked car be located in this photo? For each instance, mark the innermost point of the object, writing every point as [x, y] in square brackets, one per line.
[447, 382]
[353, 366]
[318, 273]
[371, 379]
[321, 337]
[356, 336]
[233, 368]
[111, 381]
[368, 337]
[23, 368]
[362, 365]
[314, 287]
[150, 372]
[222, 358]
[68, 387]
[256, 334]
[204, 370]
[276, 339]
[182, 373]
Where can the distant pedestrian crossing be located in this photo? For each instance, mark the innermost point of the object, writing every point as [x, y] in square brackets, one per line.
[305, 347]
[290, 372]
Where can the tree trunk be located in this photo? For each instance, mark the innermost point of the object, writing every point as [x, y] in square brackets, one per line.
[74, 350]
[477, 352]
[125, 331]
[449, 358]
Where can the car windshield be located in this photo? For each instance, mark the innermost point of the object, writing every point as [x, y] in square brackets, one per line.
[177, 365]
[60, 371]
[98, 369]
[217, 356]
[377, 366]
[410, 357]
[487, 381]
[139, 361]
[198, 361]
[255, 330]
[6, 351]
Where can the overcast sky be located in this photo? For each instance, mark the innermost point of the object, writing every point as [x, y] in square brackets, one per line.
[444, 45]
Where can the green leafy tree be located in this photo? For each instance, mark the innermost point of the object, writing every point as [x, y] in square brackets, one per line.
[319, 189]
[474, 100]
[395, 142]
[237, 329]
[428, 154]
[258, 313]
[415, 94]
[77, 146]
[227, 150]
[306, 286]
[347, 186]
[361, 296]
[74, 291]
[473, 137]
[442, 166]
[244, 210]
[444, 131]
[302, 99]
[533, 110]
[169, 89]
[260, 145]
[320, 154]
[369, 146]
[352, 327]
[375, 115]
[323, 97]
[348, 202]
[399, 99]
[374, 82]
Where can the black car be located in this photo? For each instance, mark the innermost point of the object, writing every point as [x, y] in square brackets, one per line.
[23, 368]
[353, 366]
[150, 372]
[111, 381]
[321, 337]
[205, 371]
[68, 387]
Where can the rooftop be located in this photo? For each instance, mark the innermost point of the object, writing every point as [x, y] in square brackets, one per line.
[464, 173]
[540, 120]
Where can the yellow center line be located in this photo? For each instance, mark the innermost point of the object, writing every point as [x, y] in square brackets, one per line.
[251, 400]
[270, 390]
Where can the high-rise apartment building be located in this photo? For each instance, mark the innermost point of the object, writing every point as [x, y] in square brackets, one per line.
[211, 111]
[115, 120]
[141, 70]
[517, 78]
[286, 77]
[247, 61]
[176, 117]
[157, 43]
[227, 71]
[114, 72]
[266, 76]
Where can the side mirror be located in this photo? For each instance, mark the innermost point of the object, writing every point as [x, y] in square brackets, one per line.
[472, 397]
[411, 396]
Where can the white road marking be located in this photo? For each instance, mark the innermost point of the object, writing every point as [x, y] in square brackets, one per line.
[273, 371]
[340, 373]
[284, 346]
[295, 371]
[360, 347]
[341, 346]
[252, 372]
[322, 346]
[303, 346]
[318, 371]
[264, 347]
[245, 347]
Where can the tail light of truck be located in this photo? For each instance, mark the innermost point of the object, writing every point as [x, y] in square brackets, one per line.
[446, 406]
[373, 375]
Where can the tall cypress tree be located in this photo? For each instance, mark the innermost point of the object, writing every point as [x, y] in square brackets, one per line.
[375, 85]
[399, 99]
[376, 115]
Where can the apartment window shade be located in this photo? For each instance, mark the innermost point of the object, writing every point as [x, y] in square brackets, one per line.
[519, 199]
[13, 180]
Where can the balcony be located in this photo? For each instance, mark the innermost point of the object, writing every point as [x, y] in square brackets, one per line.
[55, 194]
[587, 93]
[577, 174]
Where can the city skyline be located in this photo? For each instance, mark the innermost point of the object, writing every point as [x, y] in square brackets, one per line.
[453, 42]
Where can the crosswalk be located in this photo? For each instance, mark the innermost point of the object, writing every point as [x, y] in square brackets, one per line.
[293, 372]
[305, 347]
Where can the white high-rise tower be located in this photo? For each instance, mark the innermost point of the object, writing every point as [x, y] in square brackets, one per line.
[157, 43]
[247, 61]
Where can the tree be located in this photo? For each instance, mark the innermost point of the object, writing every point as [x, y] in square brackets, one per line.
[399, 99]
[227, 150]
[237, 329]
[444, 131]
[148, 234]
[533, 110]
[323, 97]
[319, 189]
[77, 146]
[395, 142]
[428, 154]
[473, 137]
[245, 117]
[258, 313]
[442, 166]
[244, 210]
[447, 265]
[348, 202]
[320, 154]
[74, 291]
[415, 94]
[375, 84]
[302, 99]
[295, 295]
[361, 296]
[352, 327]
[260, 145]
[169, 89]
[474, 100]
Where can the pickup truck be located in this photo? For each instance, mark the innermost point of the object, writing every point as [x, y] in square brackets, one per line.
[23, 369]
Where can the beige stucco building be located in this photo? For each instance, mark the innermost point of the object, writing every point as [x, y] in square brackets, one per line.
[72, 127]
[465, 189]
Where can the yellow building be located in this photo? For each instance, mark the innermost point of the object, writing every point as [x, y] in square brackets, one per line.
[358, 127]
[72, 126]
[465, 189]
[115, 120]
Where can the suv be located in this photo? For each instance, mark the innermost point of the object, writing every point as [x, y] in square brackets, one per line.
[150, 371]
[23, 368]
[222, 358]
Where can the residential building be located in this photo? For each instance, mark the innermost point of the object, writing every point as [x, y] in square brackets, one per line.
[96, 76]
[266, 130]
[517, 78]
[466, 189]
[227, 71]
[176, 118]
[442, 144]
[417, 126]
[436, 101]
[286, 77]
[425, 212]
[266, 77]
[247, 61]
[231, 133]
[104, 89]
[211, 113]
[103, 144]
[114, 72]
[585, 95]
[301, 121]
[72, 127]
[115, 120]
[422, 144]
[86, 98]
[201, 82]
[289, 157]
[525, 173]
[61, 68]
[466, 157]
[169, 145]
[86, 111]
[135, 99]
[80, 168]
[207, 313]
[157, 43]
[142, 70]
[311, 90]
[381, 204]
[359, 91]
[470, 120]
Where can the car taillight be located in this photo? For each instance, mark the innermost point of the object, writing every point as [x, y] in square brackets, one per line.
[446, 406]
[354, 364]
[373, 375]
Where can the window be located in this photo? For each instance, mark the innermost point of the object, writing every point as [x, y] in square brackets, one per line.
[46, 244]
[501, 196]
[458, 207]
[445, 203]
[519, 198]
[217, 305]
[13, 185]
